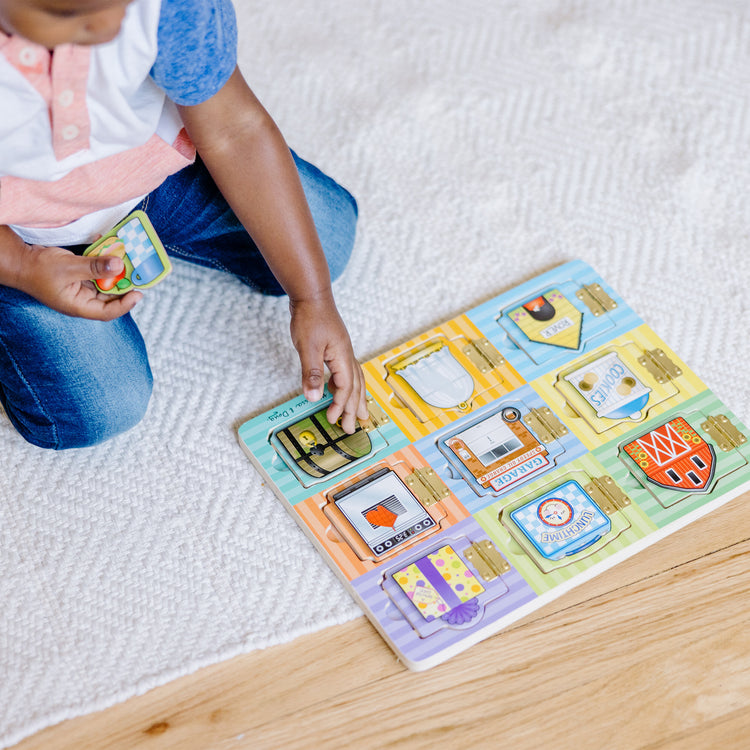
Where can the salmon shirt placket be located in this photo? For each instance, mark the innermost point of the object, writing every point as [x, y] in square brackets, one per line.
[60, 78]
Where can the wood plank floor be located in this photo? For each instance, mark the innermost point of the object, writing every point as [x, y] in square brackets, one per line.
[655, 653]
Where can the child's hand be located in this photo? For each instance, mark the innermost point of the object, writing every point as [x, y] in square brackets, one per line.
[62, 280]
[320, 337]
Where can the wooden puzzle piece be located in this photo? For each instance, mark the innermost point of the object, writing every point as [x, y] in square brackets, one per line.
[562, 522]
[435, 376]
[557, 318]
[431, 375]
[610, 388]
[383, 512]
[438, 378]
[496, 451]
[447, 587]
[499, 448]
[674, 456]
[441, 585]
[684, 456]
[305, 446]
[550, 319]
[145, 261]
[370, 524]
[619, 385]
[318, 448]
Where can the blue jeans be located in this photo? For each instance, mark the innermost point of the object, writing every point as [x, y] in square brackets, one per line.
[69, 382]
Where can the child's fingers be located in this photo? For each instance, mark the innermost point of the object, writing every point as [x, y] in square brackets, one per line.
[361, 396]
[348, 388]
[113, 306]
[340, 386]
[313, 373]
[354, 396]
[97, 267]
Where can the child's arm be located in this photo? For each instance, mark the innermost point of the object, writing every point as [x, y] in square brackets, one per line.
[253, 167]
[61, 280]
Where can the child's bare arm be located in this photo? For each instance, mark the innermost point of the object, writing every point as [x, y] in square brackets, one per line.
[253, 167]
[61, 280]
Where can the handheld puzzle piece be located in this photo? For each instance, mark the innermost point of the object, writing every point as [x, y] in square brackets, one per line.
[135, 241]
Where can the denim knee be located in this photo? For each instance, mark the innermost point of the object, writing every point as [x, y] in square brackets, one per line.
[334, 212]
[122, 406]
[83, 423]
[341, 245]
[68, 382]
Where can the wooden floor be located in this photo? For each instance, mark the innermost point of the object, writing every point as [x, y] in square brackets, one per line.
[655, 653]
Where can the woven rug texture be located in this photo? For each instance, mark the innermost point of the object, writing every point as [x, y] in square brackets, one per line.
[486, 143]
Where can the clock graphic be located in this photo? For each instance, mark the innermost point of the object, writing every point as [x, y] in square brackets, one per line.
[555, 512]
[562, 522]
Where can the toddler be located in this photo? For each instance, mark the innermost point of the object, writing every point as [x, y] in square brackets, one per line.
[104, 105]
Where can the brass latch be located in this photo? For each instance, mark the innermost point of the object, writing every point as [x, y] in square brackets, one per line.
[377, 416]
[724, 433]
[483, 355]
[596, 299]
[607, 495]
[545, 424]
[489, 563]
[659, 365]
[426, 486]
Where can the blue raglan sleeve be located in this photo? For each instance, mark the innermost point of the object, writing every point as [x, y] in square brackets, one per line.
[197, 48]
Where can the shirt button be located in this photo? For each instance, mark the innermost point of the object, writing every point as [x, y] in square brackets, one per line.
[65, 98]
[69, 132]
[27, 56]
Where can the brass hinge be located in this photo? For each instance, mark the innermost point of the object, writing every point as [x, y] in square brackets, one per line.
[545, 424]
[596, 299]
[724, 433]
[490, 564]
[426, 486]
[659, 365]
[377, 416]
[483, 355]
[607, 495]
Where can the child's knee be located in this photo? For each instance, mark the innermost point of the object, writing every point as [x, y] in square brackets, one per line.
[82, 423]
[334, 211]
[122, 407]
[339, 247]
[69, 382]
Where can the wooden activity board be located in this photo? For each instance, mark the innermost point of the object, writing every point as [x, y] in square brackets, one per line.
[512, 453]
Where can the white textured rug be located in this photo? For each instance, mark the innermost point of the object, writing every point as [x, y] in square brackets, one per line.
[486, 142]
